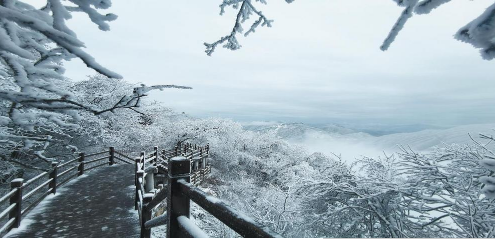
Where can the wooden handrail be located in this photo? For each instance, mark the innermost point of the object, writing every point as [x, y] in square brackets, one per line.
[157, 221]
[67, 163]
[157, 199]
[95, 160]
[241, 224]
[123, 160]
[7, 210]
[7, 226]
[180, 192]
[35, 202]
[95, 154]
[18, 199]
[34, 179]
[123, 155]
[66, 171]
[33, 191]
[190, 229]
[8, 195]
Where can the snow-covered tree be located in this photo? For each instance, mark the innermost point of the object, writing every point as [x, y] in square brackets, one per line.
[33, 45]
[39, 108]
[480, 32]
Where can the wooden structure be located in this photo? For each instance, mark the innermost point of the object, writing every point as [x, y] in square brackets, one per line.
[169, 176]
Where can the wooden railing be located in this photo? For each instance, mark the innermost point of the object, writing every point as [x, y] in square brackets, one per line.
[170, 175]
[25, 195]
[185, 167]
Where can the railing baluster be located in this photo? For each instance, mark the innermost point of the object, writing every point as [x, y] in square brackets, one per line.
[111, 158]
[155, 153]
[146, 233]
[177, 203]
[81, 164]
[136, 181]
[16, 184]
[143, 160]
[53, 176]
[155, 164]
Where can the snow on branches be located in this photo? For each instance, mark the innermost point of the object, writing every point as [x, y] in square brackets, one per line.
[33, 45]
[245, 10]
[39, 106]
[480, 32]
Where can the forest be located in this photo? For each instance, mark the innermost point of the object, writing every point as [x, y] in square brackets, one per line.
[445, 191]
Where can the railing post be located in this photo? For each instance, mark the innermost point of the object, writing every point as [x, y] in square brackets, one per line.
[143, 159]
[136, 181]
[111, 159]
[149, 180]
[178, 204]
[202, 158]
[146, 233]
[155, 164]
[17, 199]
[81, 164]
[155, 161]
[53, 176]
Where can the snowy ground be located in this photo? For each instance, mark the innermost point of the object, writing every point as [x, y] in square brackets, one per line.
[89, 206]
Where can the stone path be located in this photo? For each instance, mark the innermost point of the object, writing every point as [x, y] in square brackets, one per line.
[99, 204]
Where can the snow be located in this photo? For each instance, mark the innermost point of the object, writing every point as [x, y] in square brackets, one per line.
[426, 6]
[213, 199]
[487, 180]
[18, 180]
[189, 225]
[489, 191]
[488, 163]
[41, 207]
[178, 158]
[351, 145]
[481, 33]
[27, 221]
[406, 14]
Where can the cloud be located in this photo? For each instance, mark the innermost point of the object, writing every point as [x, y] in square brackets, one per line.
[319, 62]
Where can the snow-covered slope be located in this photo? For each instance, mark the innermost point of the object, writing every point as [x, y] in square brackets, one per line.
[351, 144]
[426, 139]
[299, 131]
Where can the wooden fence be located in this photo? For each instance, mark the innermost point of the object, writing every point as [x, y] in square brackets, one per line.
[170, 175]
[185, 167]
[25, 195]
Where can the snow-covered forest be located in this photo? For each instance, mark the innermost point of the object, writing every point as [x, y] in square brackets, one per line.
[298, 180]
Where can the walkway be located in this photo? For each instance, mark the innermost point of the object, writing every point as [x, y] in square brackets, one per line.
[99, 204]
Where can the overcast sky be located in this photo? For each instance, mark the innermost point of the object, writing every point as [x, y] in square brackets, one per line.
[320, 62]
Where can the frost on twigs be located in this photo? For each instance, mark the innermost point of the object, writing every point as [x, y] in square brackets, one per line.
[145, 89]
[245, 9]
[406, 14]
[37, 104]
[480, 32]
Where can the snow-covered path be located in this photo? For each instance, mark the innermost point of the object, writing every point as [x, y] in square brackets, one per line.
[100, 204]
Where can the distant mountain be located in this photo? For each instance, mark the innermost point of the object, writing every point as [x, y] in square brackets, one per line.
[385, 129]
[299, 131]
[427, 139]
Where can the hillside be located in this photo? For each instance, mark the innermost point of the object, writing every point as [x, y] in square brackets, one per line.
[352, 144]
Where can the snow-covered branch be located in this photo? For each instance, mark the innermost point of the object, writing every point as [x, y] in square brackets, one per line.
[480, 32]
[245, 9]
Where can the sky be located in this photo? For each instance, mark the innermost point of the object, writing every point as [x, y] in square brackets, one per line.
[319, 63]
